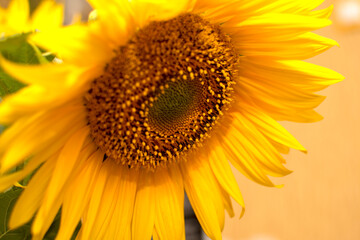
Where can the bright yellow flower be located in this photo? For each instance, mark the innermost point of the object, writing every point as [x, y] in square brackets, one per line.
[16, 17]
[158, 96]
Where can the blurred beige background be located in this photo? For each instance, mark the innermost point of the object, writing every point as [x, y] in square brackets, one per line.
[321, 199]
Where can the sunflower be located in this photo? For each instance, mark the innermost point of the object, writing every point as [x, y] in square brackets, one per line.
[16, 17]
[156, 97]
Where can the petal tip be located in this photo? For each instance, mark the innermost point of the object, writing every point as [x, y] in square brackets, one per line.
[242, 212]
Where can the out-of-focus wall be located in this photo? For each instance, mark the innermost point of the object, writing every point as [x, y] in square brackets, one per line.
[74, 8]
[33, 3]
[4, 3]
[321, 199]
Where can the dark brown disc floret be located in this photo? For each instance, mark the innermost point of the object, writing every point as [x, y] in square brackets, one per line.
[163, 92]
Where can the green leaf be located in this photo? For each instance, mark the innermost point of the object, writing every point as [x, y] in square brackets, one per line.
[12, 43]
[17, 49]
[24, 53]
[49, 56]
[2, 127]
[54, 228]
[78, 227]
[8, 84]
[7, 201]
[21, 233]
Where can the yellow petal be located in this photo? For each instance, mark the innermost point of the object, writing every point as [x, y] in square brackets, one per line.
[34, 74]
[119, 228]
[17, 16]
[281, 148]
[20, 141]
[95, 202]
[155, 235]
[204, 195]
[278, 110]
[42, 20]
[169, 212]
[222, 171]
[29, 124]
[278, 92]
[300, 47]
[302, 74]
[201, 5]
[114, 20]
[113, 218]
[105, 213]
[278, 98]
[290, 6]
[147, 10]
[257, 148]
[78, 194]
[273, 26]
[242, 158]
[242, 10]
[68, 158]
[36, 97]
[42, 221]
[144, 209]
[7, 180]
[228, 204]
[271, 128]
[323, 13]
[79, 39]
[31, 199]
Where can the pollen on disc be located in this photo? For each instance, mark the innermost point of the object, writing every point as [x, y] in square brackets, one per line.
[163, 92]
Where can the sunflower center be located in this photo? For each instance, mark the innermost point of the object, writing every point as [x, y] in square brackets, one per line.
[163, 92]
[176, 104]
